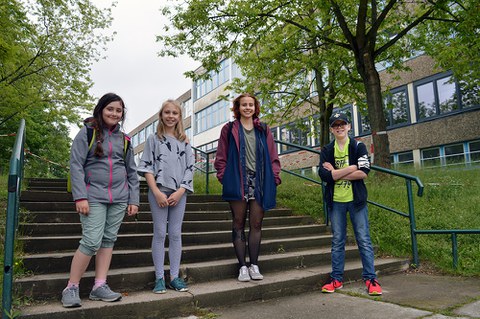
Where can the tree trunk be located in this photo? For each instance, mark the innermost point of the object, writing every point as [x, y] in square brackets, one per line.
[378, 125]
[325, 107]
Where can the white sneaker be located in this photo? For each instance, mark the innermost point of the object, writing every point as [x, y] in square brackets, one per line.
[255, 272]
[243, 274]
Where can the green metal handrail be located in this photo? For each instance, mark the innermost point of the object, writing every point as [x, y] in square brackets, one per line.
[15, 177]
[199, 161]
[409, 179]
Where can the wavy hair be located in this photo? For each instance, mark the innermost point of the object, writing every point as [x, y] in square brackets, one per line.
[179, 131]
[236, 105]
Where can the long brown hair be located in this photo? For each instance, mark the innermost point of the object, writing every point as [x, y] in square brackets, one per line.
[179, 132]
[97, 120]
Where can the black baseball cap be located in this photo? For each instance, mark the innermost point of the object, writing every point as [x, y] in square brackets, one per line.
[337, 116]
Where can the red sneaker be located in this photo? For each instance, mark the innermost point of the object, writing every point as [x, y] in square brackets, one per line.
[331, 285]
[373, 287]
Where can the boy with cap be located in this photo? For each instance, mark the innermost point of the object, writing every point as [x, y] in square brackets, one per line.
[344, 164]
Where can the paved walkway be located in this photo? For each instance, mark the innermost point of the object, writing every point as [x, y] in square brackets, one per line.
[405, 296]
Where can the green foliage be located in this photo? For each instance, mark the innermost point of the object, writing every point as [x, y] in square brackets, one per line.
[454, 43]
[46, 50]
[199, 184]
[304, 57]
[302, 196]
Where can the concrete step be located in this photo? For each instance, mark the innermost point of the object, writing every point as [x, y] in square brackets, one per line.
[128, 227]
[144, 206]
[42, 195]
[51, 262]
[70, 216]
[295, 258]
[143, 226]
[41, 286]
[142, 241]
[145, 304]
[57, 184]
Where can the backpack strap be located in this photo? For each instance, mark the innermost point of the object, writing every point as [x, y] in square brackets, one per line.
[230, 125]
[92, 133]
[126, 143]
[264, 127]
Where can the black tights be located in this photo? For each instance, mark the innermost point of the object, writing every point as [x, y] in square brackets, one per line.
[239, 216]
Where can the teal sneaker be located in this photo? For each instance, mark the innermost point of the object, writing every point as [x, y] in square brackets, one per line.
[160, 286]
[178, 284]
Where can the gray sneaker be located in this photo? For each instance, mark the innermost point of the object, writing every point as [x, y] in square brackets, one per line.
[71, 297]
[104, 293]
[243, 274]
[255, 272]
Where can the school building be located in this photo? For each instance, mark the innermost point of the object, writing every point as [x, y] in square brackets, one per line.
[432, 119]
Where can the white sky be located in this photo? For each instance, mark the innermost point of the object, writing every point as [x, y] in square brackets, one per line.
[132, 68]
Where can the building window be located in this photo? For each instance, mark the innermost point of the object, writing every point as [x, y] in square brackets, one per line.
[214, 115]
[396, 107]
[149, 130]
[402, 159]
[216, 78]
[295, 133]
[430, 157]
[188, 133]
[454, 154]
[440, 94]
[135, 140]
[141, 136]
[447, 96]
[474, 152]
[187, 108]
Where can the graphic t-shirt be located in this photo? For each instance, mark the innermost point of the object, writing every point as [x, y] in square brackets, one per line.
[342, 192]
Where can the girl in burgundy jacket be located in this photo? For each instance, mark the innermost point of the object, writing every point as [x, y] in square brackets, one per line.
[248, 167]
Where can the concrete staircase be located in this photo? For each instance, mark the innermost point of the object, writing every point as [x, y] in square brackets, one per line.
[295, 258]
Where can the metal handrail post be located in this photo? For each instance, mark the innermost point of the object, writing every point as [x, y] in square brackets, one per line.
[454, 250]
[14, 186]
[207, 173]
[9, 245]
[325, 206]
[413, 226]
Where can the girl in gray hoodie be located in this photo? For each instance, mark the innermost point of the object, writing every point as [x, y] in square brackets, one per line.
[105, 185]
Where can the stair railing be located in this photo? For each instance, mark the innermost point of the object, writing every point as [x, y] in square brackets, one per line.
[15, 177]
[202, 164]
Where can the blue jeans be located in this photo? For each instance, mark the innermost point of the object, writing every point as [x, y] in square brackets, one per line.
[359, 219]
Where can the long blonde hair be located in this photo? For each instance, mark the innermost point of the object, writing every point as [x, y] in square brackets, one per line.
[179, 132]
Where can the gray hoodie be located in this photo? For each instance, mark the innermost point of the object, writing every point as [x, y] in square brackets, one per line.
[111, 178]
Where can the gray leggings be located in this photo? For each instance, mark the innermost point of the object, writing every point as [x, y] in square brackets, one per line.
[174, 216]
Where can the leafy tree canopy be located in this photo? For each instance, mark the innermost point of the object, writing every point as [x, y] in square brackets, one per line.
[283, 41]
[46, 51]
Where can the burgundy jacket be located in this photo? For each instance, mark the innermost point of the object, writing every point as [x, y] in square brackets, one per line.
[222, 150]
